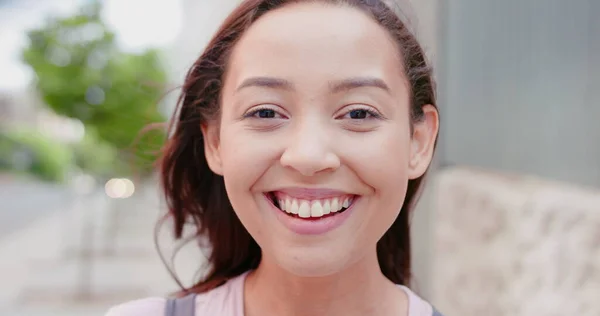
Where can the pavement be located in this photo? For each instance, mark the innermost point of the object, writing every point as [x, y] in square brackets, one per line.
[88, 253]
[24, 201]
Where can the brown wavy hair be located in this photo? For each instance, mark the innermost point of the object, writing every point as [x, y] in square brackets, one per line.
[195, 194]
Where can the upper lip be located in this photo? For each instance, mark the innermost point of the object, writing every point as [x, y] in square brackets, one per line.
[311, 193]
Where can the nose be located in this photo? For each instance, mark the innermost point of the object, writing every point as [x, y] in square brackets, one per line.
[309, 151]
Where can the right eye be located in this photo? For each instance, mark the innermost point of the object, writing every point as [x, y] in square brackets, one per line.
[263, 113]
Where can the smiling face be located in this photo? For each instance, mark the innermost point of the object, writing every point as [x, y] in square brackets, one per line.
[314, 141]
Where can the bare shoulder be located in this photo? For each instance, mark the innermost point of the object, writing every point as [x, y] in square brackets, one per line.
[152, 306]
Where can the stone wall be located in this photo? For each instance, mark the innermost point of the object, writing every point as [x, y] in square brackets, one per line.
[507, 245]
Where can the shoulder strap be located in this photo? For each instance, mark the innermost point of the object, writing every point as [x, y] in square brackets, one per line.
[184, 306]
[436, 313]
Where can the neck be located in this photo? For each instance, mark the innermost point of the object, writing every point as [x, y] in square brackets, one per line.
[361, 289]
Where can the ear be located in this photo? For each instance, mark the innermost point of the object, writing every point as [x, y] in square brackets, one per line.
[423, 140]
[212, 148]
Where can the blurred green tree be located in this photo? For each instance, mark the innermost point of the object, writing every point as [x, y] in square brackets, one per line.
[30, 153]
[82, 73]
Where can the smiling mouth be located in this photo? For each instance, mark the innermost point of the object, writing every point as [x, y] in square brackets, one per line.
[311, 208]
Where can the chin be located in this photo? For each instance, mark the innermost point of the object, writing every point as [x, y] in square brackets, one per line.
[305, 262]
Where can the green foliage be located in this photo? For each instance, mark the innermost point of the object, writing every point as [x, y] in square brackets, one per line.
[82, 74]
[96, 156]
[29, 152]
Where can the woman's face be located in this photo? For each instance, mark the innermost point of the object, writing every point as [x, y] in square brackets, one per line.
[314, 141]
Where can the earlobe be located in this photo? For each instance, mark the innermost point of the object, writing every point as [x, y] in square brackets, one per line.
[210, 132]
[423, 142]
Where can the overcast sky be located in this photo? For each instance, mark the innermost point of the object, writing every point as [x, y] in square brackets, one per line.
[138, 24]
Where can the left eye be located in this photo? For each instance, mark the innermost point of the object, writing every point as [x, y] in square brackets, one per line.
[360, 114]
[265, 113]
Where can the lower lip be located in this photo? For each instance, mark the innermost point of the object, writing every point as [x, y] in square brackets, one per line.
[311, 226]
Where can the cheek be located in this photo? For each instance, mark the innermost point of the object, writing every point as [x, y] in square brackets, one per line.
[238, 152]
[381, 160]
[243, 162]
[245, 158]
[383, 165]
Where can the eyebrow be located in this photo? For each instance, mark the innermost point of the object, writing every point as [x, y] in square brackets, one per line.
[358, 82]
[266, 82]
[334, 86]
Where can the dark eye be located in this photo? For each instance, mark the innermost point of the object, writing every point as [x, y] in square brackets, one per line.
[361, 114]
[358, 114]
[265, 113]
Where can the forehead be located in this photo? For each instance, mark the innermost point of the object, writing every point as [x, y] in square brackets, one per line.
[314, 41]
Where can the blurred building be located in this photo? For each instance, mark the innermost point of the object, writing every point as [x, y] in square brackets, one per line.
[519, 97]
[18, 107]
[520, 87]
[199, 22]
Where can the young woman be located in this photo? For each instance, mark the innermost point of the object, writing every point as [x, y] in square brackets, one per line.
[303, 135]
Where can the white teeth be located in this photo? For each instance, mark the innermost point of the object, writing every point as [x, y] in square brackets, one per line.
[315, 208]
[326, 207]
[304, 210]
[293, 207]
[335, 206]
[346, 203]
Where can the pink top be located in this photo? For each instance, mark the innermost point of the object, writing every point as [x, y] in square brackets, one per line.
[228, 300]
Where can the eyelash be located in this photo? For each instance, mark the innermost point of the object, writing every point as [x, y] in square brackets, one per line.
[252, 114]
[373, 114]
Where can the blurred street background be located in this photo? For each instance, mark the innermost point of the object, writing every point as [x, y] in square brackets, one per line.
[509, 224]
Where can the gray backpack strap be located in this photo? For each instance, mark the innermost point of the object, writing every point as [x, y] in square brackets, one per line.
[184, 306]
[436, 313]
